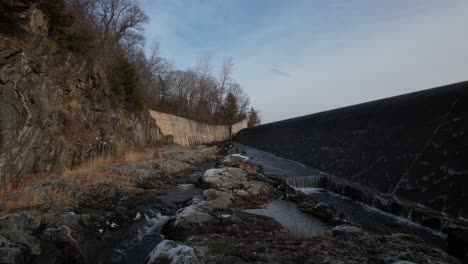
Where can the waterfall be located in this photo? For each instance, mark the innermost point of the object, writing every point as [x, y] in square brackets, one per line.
[303, 181]
[384, 202]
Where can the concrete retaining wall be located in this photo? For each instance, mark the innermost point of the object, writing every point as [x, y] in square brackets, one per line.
[187, 132]
[413, 146]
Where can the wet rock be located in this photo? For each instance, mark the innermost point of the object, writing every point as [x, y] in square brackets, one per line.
[45, 238]
[171, 252]
[19, 229]
[241, 162]
[200, 216]
[237, 182]
[224, 178]
[347, 247]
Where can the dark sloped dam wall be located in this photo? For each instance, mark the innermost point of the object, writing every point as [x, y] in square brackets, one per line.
[408, 149]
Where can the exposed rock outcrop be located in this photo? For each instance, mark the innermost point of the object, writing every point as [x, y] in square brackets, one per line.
[57, 110]
[46, 238]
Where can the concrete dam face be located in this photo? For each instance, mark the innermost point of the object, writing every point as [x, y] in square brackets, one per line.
[407, 154]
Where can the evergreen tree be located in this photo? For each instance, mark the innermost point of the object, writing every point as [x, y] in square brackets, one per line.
[230, 109]
[126, 85]
[253, 119]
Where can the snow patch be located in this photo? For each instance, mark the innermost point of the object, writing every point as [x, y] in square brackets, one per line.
[137, 216]
[240, 156]
[225, 215]
[101, 231]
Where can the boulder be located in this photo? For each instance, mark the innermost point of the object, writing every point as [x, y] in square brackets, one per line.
[236, 181]
[241, 162]
[171, 252]
[200, 216]
[174, 167]
[224, 178]
[44, 238]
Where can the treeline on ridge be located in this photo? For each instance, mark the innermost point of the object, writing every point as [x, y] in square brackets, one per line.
[111, 32]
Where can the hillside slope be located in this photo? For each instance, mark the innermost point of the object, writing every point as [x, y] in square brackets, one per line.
[57, 110]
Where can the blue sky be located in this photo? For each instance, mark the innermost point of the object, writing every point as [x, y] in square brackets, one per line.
[297, 57]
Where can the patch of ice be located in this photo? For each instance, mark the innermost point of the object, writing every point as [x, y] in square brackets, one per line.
[347, 229]
[185, 186]
[137, 216]
[171, 251]
[452, 171]
[240, 156]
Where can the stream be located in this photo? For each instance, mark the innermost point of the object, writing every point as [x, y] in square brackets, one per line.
[368, 217]
[132, 245]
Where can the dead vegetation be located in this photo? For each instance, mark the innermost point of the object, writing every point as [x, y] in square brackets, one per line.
[57, 190]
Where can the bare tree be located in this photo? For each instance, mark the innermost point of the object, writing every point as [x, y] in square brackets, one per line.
[119, 23]
[243, 100]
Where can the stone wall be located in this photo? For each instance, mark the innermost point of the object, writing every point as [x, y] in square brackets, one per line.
[412, 147]
[187, 132]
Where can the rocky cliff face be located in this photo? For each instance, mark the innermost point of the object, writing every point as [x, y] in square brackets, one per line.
[57, 110]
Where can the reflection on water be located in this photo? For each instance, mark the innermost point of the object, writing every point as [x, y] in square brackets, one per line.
[298, 223]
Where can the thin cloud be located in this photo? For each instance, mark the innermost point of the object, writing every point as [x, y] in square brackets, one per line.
[275, 70]
[337, 57]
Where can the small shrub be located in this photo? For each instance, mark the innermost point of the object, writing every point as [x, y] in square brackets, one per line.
[156, 155]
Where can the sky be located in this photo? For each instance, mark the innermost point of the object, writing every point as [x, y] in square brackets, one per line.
[298, 57]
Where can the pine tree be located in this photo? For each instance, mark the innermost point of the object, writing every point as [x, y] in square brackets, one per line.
[253, 119]
[126, 85]
[230, 109]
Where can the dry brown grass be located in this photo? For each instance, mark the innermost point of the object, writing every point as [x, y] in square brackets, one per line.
[55, 190]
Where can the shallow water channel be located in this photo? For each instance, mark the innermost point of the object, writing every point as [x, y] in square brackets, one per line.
[298, 223]
[133, 244]
[366, 216]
